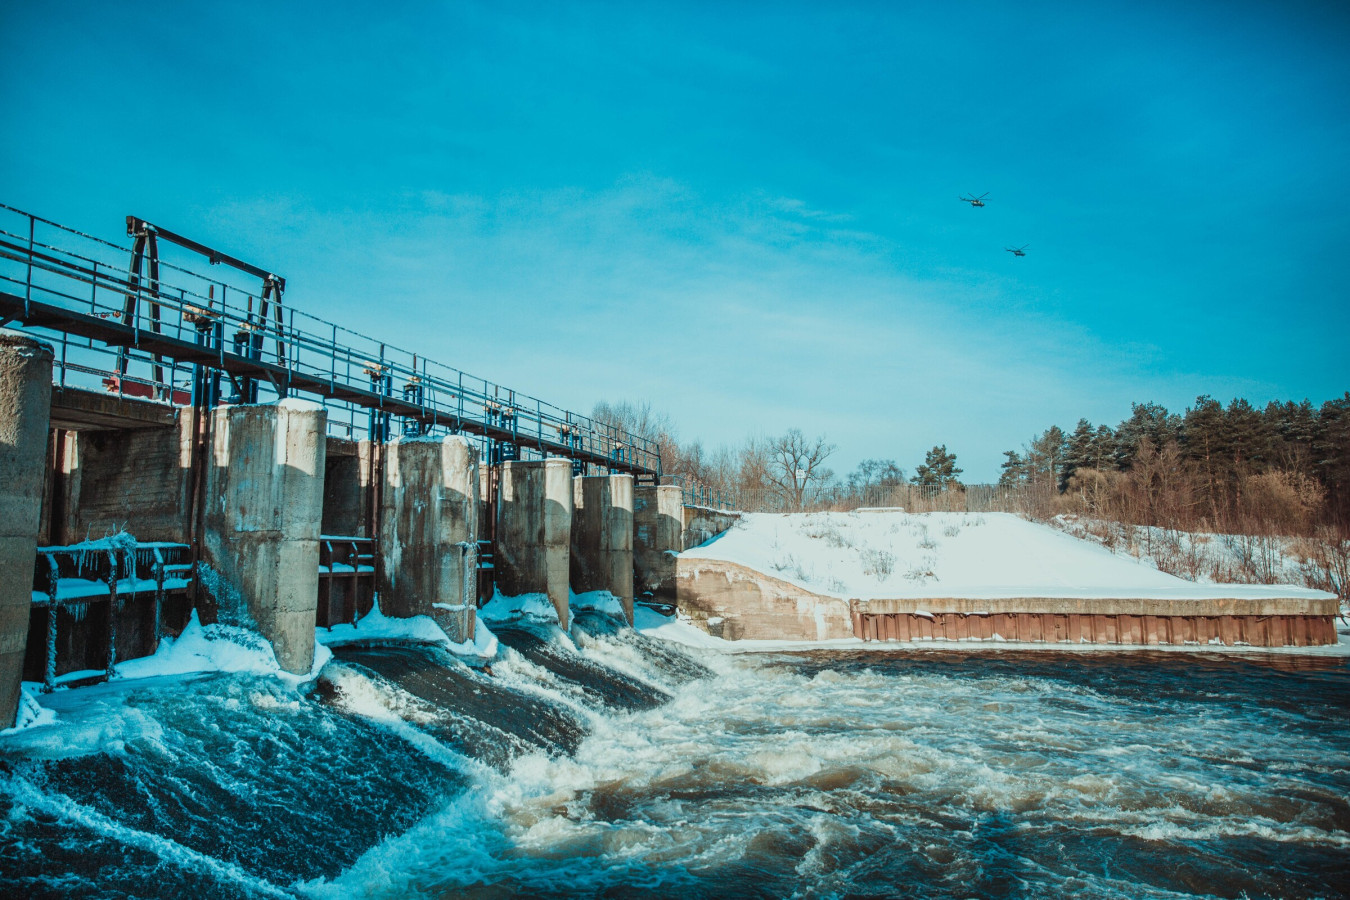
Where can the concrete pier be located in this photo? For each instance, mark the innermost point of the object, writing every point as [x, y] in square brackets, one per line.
[602, 537]
[429, 532]
[264, 505]
[534, 531]
[25, 411]
[658, 537]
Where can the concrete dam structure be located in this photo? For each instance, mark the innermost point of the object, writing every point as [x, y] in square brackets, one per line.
[182, 445]
[268, 491]
[172, 442]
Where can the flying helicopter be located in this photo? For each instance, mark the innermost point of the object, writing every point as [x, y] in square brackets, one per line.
[1018, 251]
[975, 201]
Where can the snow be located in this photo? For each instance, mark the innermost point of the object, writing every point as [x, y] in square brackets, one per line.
[530, 607]
[600, 601]
[296, 404]
[120, 542]
[376, 626]
[31, 714]
[345, 569]
[893, 554]
[538, 608]
[68, 589]
[215, 648]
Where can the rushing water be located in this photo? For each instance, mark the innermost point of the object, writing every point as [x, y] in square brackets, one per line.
[606, 764]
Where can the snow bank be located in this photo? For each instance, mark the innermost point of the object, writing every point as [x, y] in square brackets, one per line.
[215, 648]
[894, 554]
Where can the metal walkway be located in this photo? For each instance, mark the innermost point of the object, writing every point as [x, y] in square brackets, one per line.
[124, 320]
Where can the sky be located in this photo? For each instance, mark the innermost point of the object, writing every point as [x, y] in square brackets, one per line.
[746, 214]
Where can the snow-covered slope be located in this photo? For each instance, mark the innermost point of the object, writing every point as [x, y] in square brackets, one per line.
[986, 555]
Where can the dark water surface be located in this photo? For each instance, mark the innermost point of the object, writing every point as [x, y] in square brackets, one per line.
[606, 764]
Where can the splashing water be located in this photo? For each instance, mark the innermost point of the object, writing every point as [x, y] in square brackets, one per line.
[603, 763]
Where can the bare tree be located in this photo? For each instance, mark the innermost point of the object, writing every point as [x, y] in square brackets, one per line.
[795, 464]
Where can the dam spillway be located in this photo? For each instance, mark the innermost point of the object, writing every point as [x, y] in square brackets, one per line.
[401, 773]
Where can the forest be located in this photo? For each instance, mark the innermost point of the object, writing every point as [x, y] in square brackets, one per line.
[1155, 481]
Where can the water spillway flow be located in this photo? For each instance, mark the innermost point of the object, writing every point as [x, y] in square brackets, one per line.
[604, 763]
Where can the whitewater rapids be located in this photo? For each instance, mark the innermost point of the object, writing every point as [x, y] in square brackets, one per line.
[606, 764]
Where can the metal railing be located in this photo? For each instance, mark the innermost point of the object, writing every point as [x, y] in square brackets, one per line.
[116, 330]
[695, 493]
[71, 579]
[346, 579]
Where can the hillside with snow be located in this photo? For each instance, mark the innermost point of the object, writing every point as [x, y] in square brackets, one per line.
[894, 554]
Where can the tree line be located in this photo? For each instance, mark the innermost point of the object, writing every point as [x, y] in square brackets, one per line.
[783, 473]
[1234, 468]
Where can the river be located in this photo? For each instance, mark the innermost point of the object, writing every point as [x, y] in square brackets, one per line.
[609, 764]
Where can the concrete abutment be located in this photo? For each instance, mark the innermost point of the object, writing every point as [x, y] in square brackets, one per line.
[25, 411]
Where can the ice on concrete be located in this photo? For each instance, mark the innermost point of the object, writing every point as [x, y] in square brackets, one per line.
[376, 626]
[530, 607]
[214, 648]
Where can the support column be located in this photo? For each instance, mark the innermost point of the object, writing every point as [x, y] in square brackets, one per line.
[602, 537]
[25, 413]
[265, 505]
[534, 531]
[658, 537]
[429, 532]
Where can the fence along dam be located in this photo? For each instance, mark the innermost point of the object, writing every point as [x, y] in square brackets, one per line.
[175, 441]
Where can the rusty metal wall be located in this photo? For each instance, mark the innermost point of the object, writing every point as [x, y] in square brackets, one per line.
[1257, 631]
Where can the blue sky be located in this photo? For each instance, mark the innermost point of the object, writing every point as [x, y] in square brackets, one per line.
[745, 214]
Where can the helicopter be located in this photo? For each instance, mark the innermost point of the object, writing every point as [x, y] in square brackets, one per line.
[1018, 251]
[975, 201]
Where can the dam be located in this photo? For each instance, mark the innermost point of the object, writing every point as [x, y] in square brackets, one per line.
[178, 443]
[286, 575]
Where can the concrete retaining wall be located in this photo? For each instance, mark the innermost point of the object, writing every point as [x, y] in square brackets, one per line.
[346, 488]
[702, 524]
[738, 603]
[138, 480]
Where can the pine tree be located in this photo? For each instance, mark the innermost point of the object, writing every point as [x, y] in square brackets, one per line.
[1202, 437]
[1078, 452]
[1147, 420]
[1014, 468]
[1045, 457]
[1331, 454]
[938, 469]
